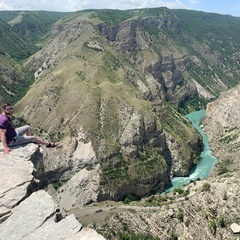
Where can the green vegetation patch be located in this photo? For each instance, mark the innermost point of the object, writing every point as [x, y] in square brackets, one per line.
[114, 171]
[149, 163]
[182, 192]
[13, 44]
[206, 187]
[184, 135]
[150, 28]
[14, 80]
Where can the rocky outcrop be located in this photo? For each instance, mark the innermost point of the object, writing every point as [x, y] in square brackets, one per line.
[203, 92]
[139, 130]
[71, 172]
[127, 30]
[29, 214]
[222, 124]
[37, 218]
[16, 174]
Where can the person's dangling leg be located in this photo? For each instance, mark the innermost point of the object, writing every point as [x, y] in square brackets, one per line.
[24, 130]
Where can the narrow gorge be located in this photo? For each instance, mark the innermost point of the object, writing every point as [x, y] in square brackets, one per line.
[207, 161]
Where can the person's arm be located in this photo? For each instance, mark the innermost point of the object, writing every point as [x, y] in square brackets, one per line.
[4, 141]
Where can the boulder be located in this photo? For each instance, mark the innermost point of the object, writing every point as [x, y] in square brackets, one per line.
[235, 228]
[16, 173]
[35, 218]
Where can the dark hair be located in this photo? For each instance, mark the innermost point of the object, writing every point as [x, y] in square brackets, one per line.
[4, 105]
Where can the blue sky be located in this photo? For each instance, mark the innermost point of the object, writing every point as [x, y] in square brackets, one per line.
[231, 7]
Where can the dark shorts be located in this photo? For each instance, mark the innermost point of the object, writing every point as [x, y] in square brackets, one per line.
[20, 138]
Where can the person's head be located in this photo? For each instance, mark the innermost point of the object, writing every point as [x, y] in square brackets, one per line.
[7, 108]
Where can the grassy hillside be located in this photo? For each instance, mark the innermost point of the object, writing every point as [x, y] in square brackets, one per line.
[12, 44]
[20, 34]
[14, 79]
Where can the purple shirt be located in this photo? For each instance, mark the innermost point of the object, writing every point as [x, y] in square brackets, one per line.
[5, 123]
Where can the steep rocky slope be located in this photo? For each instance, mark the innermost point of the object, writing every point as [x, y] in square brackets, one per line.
[222, 124]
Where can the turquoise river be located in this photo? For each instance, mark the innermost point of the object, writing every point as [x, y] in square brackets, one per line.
[202, 170]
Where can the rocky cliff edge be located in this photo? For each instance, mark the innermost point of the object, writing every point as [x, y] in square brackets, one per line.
[222, 125]
[29, 214]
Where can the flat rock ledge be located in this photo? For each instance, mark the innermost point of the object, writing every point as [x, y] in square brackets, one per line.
[35, 216]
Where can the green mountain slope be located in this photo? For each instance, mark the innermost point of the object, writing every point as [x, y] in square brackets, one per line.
[14, 79]
[211, 40]
[12, 44]
[19, 33]
[214, 38]
[31, 25]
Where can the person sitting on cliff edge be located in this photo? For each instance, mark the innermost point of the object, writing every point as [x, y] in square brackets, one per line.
[10, 136]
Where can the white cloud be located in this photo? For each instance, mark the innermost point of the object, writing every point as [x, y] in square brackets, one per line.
[74, 5]
[194, 2]
[4, 6]
[126, 4]
[53, 5]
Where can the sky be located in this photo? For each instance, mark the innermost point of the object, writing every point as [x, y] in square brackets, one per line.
[231, 7]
